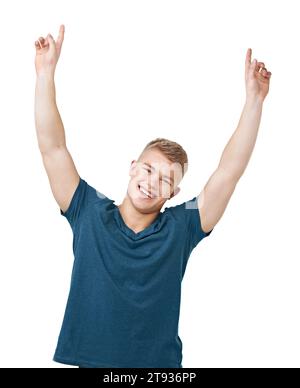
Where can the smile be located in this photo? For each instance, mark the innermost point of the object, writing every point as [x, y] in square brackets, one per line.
[145, 192]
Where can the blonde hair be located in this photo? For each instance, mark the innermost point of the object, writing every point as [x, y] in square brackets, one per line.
[172, 150]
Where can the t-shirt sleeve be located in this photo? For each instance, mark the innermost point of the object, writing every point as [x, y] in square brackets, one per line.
[187, 213]
[83, 196]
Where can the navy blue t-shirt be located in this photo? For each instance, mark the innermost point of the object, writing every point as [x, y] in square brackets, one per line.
[124, 299]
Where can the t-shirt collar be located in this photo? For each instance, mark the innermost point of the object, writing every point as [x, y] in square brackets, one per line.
[150, 229]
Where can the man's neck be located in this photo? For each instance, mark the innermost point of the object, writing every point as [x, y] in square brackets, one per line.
[134, 219]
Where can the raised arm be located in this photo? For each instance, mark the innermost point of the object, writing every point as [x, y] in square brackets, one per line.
[62, 174]
[217, 192]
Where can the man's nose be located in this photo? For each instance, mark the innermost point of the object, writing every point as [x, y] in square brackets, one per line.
[153, 186]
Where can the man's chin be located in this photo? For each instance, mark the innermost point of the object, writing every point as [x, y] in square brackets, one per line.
[142, 205]
[145, 205]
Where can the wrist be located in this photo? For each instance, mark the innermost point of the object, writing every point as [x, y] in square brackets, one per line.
[45, 75]
[252, 99]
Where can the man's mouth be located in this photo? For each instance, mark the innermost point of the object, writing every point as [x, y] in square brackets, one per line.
[145, 192]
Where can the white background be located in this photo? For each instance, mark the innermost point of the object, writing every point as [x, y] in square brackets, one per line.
[131, 71]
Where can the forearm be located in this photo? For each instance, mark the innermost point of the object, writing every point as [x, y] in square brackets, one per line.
[48, 123]
[238, 150]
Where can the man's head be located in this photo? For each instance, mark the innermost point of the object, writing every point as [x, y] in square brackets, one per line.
[156, 174]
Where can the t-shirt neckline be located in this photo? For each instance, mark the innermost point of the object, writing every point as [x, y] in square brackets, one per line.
[150, 229]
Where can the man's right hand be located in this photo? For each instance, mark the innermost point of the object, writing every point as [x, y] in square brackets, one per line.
[48, 52]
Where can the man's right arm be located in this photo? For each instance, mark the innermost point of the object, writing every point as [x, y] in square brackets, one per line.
[62, 174]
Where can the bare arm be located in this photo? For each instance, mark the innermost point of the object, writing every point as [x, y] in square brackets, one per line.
[62, 174]
[217, 192]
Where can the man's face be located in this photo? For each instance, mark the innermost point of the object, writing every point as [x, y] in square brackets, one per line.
[154, 180]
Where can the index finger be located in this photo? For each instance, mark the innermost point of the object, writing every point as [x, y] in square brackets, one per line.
[248, 58]
[60, 37]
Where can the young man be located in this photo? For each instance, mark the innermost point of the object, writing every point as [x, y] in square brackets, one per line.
[129, 259]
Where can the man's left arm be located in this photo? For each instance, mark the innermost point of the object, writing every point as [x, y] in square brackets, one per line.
[214, 197]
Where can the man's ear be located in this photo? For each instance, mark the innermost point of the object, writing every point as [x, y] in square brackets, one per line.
[175, 192]
[132, 168]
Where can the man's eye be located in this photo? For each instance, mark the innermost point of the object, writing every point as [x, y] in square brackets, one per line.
[148, 170]
[166, 181]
